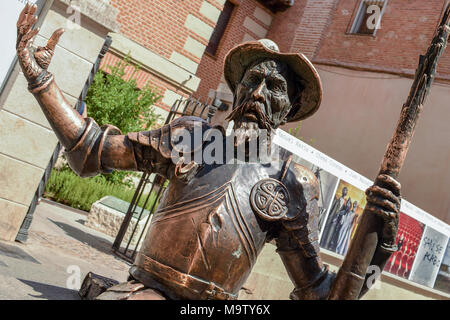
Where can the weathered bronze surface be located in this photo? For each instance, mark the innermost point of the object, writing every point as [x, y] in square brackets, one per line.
[94, 285]
[214, 219]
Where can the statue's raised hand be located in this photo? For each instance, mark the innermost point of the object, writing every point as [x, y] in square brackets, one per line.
[34, 63]
[383, 199]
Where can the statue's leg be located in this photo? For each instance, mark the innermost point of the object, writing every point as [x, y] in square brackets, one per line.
[97, 287]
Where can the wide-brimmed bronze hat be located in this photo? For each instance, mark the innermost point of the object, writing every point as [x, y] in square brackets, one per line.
[244, 55]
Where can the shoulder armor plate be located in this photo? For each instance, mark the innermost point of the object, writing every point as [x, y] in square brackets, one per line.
[184, 134]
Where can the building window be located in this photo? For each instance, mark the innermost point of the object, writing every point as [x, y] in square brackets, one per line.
[219, 30]
[368, 17]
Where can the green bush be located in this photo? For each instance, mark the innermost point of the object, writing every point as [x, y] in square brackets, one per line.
[66, 187]
[110, 100]
[113, 100]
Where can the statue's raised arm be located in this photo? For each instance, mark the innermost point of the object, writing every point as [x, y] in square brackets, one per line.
[89, 149]
[66, 122]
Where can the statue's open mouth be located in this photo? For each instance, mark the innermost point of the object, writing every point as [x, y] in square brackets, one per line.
[250, 112]
[251, 116]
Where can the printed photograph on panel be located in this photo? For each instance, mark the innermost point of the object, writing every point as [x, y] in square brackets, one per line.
[346, 208]
[327, 183]
[443, 278]
[429, 257]
[408, 239]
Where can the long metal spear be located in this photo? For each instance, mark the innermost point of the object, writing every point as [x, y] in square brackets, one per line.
[367, 236]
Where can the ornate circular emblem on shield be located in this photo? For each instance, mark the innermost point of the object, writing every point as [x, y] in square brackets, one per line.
[269, 199]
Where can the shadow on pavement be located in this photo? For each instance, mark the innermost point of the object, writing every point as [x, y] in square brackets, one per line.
[50, 292]
[91, 240]
[11, 250]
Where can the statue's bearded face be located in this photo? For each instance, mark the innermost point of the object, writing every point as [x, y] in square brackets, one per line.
[263, 97]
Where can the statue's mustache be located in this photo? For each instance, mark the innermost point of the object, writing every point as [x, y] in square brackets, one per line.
[254, 107]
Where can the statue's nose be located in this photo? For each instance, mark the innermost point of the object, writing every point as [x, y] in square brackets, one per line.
[258, 94]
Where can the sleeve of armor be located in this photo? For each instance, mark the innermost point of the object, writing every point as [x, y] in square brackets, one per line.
[167, 151]
[151, 151]
[171, 149]
[298, 247]
[85, 157]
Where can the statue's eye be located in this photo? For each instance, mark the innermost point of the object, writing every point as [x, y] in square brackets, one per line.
[276, 86]
[252, 79]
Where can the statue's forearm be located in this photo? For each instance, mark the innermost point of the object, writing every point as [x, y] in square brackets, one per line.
[89, 149]
[83, 139]
[374, 240]
[67, 124]
[311, 278]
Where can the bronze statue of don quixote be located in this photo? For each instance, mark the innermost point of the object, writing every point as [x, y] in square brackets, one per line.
[214, 218]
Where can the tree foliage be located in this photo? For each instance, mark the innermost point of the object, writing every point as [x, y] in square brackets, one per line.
[114, 100]
[117, 100]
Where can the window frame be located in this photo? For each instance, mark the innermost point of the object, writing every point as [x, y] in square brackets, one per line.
[359, 14]
[217, 49]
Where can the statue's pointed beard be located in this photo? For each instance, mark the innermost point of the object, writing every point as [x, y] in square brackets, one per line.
[250, 122]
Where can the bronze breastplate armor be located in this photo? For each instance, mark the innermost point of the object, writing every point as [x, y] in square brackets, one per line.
[207, 233]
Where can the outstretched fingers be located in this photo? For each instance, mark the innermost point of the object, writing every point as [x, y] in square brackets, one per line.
[23, 15]
[27, 39]
[27, 13]
[54, 39]
[24, 24]
[27, 19]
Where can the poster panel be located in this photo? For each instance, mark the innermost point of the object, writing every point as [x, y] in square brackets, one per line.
[442, 282]
[409, 234]
[346, 208]
[429, 257]
[419, 256]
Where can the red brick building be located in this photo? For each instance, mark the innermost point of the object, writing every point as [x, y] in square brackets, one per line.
[178, 46]
[366, 71]
[167, 39]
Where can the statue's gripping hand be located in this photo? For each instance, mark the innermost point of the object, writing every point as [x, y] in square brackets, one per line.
[34, 62]
[384, 200]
